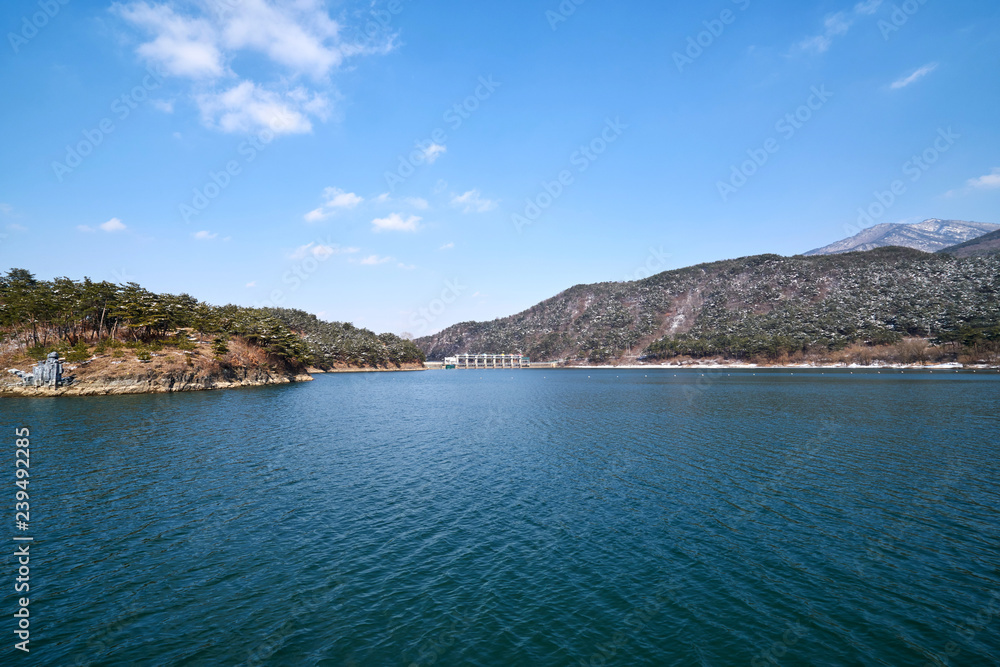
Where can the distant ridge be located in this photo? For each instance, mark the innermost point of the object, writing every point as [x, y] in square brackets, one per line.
[742, 307]
[978, 247]
[929, 236]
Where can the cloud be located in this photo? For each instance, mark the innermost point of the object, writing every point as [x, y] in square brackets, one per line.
[395, 222]
[916, 76]
[447, 246]
[208, 42]
[407, 267]
[418, 203]
[320, 251]
[113, 225]
[473, 202]
[868, 7]
[373, 260]
[836, 25]
[248, 107]
[433, 151]
[204, 236]
[6, 209]
[335, 200]
[14, 227]
[166, 106]
[252, 283]
[990, 181]
[181, 46]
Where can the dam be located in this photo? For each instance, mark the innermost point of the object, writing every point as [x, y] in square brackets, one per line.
[487, 361]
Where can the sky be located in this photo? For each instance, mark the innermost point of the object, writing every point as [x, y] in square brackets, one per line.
[409, 164]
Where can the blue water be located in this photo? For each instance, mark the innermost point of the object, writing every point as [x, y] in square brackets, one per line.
[519, 518]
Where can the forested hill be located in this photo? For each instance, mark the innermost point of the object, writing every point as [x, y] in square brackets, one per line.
[38, 316]
[755, 305]
[342, 343]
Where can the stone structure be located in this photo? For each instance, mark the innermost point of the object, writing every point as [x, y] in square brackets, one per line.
[48, 373]
[488, 361]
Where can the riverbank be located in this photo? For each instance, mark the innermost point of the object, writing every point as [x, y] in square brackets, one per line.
[172, 370]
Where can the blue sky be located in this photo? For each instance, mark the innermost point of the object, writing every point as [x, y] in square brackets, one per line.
[406, 165]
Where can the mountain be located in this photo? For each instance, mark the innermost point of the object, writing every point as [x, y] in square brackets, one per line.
[930, 236]
[737, 306]
[978, 247]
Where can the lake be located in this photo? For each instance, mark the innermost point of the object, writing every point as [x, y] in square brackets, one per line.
[542, 517]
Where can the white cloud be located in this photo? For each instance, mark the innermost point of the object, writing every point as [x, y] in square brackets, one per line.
[182, 46]
[6, 209]
[473, 202]
[166, 106]
[447, 246]
[916, 76]
[372, 260]
[836, 25]
[252, 283]
[990, 181]
[418, 203]
[248, 107]
[395, 222]
[868, 7]
[14, 227]
[113, 225]
[334, 199]
[407, 267]
[297, 41]
[433, 151]
[204, 236]
[320, 251]
[207, 42]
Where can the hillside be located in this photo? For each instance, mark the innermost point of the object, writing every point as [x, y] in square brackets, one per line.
[930, 236]
[754, 305]
[126, 339]
[978, 247]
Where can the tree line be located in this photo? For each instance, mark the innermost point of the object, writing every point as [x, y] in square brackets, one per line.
[37, 314]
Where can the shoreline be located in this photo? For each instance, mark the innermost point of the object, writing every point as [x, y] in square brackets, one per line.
[404, 368]
[180, 383]
[739, 366]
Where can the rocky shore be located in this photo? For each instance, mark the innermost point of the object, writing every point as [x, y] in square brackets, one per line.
[174, 371]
